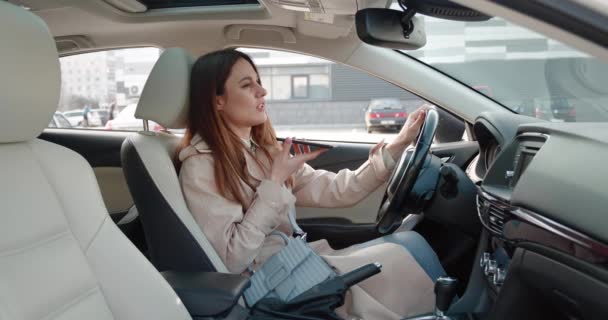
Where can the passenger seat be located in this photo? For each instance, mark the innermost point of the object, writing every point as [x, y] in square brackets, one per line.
[61, 256]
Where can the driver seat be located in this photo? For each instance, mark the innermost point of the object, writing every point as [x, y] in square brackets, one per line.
[61, 256]
[174, 239]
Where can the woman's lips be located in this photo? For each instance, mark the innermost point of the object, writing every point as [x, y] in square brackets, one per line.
[261, 107]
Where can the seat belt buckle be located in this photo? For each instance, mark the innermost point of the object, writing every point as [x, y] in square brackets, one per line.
[300, 234]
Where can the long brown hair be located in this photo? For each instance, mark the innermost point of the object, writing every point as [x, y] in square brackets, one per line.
[208, 80]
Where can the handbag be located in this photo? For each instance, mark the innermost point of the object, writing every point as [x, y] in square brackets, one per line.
[291, 271]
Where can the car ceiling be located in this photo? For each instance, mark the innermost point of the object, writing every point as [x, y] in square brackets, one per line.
[102, 25]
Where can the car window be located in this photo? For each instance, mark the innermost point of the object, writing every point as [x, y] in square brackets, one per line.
[96, 86]
[62, 122]
[314, 98]
[127, 113]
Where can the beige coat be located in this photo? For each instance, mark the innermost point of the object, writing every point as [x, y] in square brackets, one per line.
[242, 237]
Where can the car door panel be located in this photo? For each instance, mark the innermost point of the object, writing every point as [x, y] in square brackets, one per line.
[363, 212]
[352, 155]
[339, 232]
[343, 155]
[341, 226]
[346, 226]
[100, 148]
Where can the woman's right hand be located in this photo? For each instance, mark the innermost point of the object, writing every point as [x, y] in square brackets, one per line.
[284, 165]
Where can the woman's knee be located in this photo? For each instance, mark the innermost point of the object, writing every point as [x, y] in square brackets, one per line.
[421, 250]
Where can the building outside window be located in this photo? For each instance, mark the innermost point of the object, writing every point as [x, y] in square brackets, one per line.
[299, 86]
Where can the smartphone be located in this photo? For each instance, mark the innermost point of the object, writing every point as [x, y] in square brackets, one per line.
[312, 144]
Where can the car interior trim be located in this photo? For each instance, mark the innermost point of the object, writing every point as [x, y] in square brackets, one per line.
[549, 225]
[561, 230]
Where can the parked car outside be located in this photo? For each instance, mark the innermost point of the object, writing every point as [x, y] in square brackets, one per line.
[562, 109]
[554, 109]
[76, 118]
[385, 113]
[104, 115]
[59, 121]
[125, 120]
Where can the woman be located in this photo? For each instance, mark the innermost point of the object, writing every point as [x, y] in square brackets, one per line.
[240, 183]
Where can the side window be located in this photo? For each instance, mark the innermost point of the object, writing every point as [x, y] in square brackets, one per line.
[314, 98]
[100, 90]
[62, 121]
[53, 123]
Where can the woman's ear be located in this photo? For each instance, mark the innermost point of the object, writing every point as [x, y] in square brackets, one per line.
[219, 103]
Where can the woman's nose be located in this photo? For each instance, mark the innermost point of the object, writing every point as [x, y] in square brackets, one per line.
[261, 91]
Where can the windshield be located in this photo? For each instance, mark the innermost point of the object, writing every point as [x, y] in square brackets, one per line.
[520, 69]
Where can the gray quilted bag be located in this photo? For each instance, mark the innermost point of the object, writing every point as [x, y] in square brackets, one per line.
[290, 272]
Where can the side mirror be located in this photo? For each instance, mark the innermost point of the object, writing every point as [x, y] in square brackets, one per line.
[385, 28]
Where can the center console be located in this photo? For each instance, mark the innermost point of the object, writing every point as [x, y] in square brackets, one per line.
[210, 295]
[535, 265]
[495, 212]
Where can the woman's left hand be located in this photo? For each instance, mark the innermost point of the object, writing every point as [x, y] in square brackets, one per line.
[408, 132]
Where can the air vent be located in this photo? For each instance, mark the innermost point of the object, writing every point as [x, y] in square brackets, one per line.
[496, 218]
[493, 213]
[453, 12]
[446, 10]
[528, 148]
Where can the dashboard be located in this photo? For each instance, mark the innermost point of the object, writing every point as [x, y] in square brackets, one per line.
[555, 170]
[543, 193]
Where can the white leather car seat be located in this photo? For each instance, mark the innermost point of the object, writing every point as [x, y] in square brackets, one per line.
[61, 256]
[174, 239]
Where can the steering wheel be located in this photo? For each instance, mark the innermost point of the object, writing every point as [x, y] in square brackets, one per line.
[400, 198]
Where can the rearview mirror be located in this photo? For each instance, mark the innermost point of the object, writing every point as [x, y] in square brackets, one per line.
[384, 28]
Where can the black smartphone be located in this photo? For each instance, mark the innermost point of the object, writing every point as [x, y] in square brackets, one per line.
[312, 144]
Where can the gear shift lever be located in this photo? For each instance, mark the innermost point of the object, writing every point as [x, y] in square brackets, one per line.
[445, 291]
